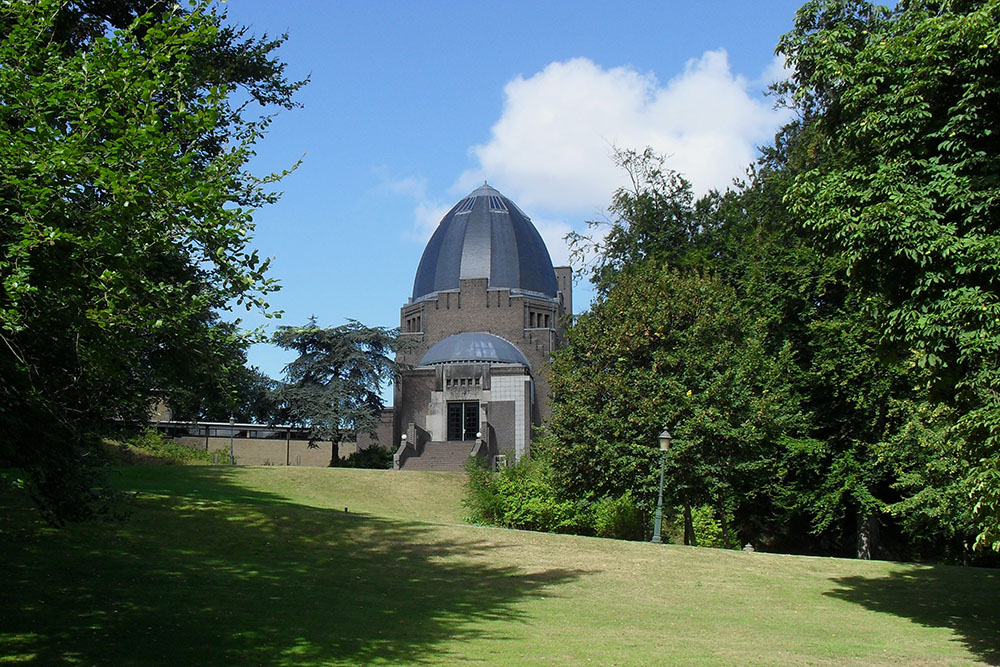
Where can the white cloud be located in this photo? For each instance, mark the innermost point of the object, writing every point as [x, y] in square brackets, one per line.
[778, 70]
[427, 211]
[551, 148]
[409, 186]
[427, 215]
[553, 232]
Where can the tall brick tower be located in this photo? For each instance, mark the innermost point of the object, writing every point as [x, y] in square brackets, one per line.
[485, 315]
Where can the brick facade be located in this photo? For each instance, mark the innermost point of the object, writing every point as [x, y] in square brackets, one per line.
[532, 323]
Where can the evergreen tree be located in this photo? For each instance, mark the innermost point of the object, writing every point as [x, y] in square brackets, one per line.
[334, 386]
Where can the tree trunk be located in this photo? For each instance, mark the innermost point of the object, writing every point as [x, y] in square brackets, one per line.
[723, 522]
[867, 537]
[689, 536]
[335, 452]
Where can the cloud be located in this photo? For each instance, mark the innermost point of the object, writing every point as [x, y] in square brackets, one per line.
[553, 232]
[551, 147]
[778, 70]
[427, 210]
[427, 214]
[409, 186]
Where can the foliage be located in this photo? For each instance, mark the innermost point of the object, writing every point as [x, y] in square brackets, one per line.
[707, 527]
[241, 392]
[334, 386]
[675, 348]
[370, 457]
[521, 496]
[619, 518]
[125, 219]
[655, 219]
[907, 189]
[150, 447]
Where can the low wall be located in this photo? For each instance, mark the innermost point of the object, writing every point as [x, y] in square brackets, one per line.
[269, 452]
[258, 444]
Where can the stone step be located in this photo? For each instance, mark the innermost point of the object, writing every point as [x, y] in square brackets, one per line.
[447, 456]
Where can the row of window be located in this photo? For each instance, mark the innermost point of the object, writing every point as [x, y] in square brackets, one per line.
[196, 431]
[461, 382]
[539, 320]
[412, 324]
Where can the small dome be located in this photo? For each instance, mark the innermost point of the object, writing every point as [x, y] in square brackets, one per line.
[479, 348]
[486, 236]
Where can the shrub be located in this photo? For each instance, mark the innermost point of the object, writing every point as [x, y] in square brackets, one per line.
[707, 528]
[151, 448]
[522, 496]
[372, 457]
[619, 518]
[482, 499]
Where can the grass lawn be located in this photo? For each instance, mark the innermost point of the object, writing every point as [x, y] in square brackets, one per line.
[263, 566]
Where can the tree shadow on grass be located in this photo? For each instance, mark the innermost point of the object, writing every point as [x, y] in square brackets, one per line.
[966, 600]
[195, 581]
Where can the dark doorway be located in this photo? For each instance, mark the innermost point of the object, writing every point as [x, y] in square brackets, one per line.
[463, 420]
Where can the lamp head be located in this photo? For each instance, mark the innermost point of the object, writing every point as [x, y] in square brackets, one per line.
[665, 439]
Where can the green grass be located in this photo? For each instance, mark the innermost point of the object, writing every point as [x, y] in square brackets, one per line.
[263, 566]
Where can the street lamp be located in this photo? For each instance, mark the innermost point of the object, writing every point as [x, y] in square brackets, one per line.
[664, 446]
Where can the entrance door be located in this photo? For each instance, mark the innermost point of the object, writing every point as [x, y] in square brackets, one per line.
[463, 420]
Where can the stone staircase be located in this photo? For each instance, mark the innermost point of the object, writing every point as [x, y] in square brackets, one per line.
[450, 456]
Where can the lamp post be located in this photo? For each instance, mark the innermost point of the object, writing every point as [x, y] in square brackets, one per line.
[664, 446]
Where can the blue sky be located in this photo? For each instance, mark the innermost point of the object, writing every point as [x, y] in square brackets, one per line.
[412, 104]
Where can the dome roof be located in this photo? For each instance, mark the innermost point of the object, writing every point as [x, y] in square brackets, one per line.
[486, 236]
[477, 348]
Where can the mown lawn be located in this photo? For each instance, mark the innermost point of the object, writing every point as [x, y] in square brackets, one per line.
[263, 566]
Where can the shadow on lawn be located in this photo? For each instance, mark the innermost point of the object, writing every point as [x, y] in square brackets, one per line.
[967, 600]
[251, 582]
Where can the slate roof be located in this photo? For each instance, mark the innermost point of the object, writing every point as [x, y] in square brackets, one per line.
[477, 348]
[486, 236]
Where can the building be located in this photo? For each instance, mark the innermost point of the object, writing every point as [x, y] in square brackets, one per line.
[486, 313]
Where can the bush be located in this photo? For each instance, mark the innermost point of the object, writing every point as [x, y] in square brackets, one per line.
[619, 518]
[151, 448]
[707, 528]
[372, 457]
[521, 496]
[482, 500]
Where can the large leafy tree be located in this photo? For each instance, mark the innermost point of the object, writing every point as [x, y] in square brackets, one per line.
[656, 217]
[907, 190]
[675, 348]
[125, 219]
[334, 386]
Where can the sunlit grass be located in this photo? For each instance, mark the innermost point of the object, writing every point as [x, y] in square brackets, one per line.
[263, 566]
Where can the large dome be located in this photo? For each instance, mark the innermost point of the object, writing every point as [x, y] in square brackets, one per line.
[486, 236]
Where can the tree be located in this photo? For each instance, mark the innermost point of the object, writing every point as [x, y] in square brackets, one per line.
[670, 347]
[656, 218]
[334, 385]
[125, 220]
[907, 190]
[242, 392]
